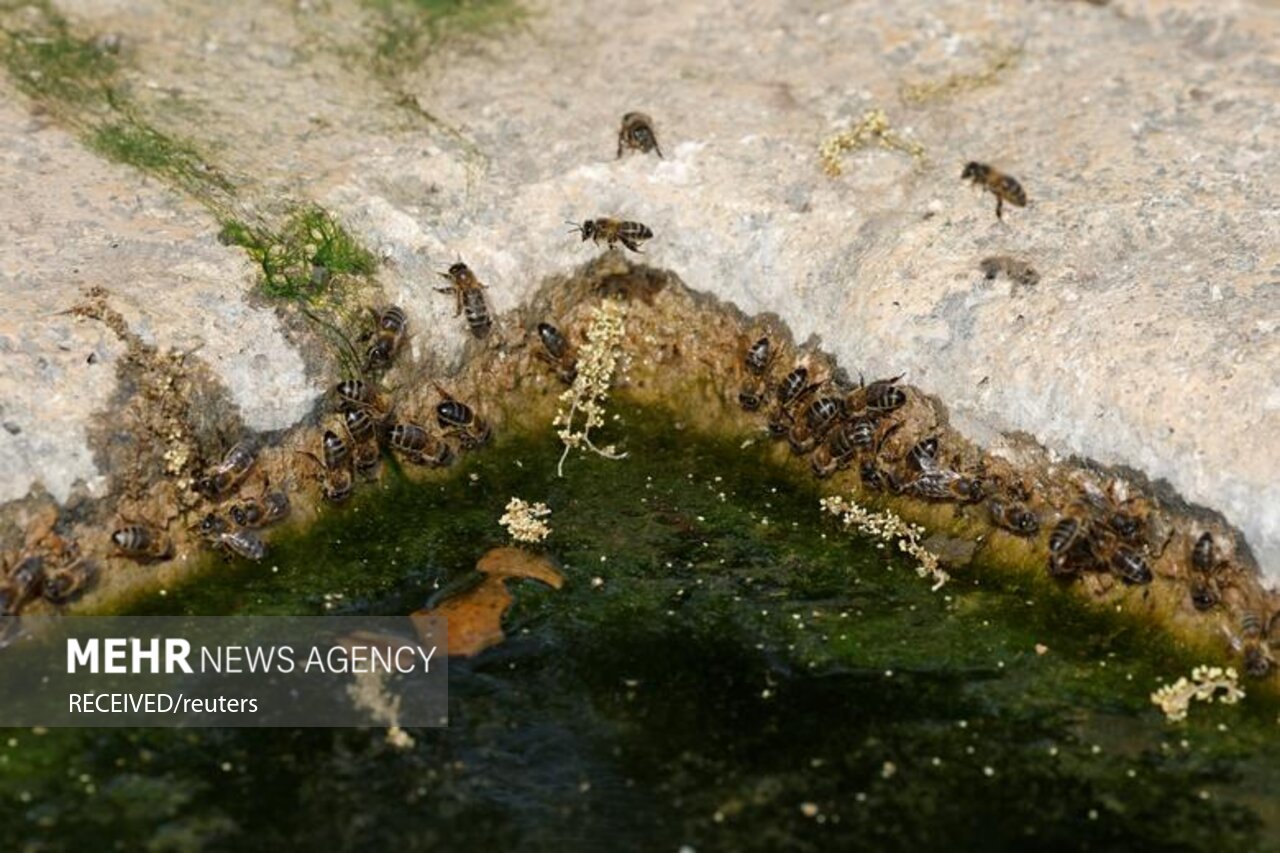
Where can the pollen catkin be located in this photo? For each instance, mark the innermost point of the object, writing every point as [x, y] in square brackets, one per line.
[889, 527]
[582, 403]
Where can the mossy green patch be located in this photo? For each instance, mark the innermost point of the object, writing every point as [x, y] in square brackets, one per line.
[724, 668]
[136, 143]
[305, 257]
[48, 62]
[406, 29]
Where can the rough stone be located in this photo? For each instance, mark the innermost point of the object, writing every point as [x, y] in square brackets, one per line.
[1145, 134]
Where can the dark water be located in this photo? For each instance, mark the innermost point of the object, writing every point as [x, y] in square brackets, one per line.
[732, 685]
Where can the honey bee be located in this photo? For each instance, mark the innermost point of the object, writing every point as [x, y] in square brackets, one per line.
[334, 450]
[1014, 517]
[469, 293]
[558, 352]
[388, 335]
[1204, 593]
[457, 418]
[336, 480]
[229, 473]
[261, 511]
[1252, 641]
[818, 419]
[1204, 553]
[613, 231]
[940, 484]
[794, 388]
[21, 584]
[876, 478]
[923, 455]
[884, 396]
[242, 543]
[419, 446]
[759, 357]
[65, 584]
[142, 543]
[355, 394]
[1067, 542]
[637, 134]
[1129, 565]
[752, 396]
[1003, 187]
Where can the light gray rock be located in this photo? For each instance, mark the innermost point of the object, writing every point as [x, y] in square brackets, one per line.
[1145, 133]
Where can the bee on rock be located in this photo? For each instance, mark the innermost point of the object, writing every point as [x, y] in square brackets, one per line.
[637, 134]
[229, 473]
[387, 338]
[469, 294]
[457, 418]
[558, 352]
[1002, 186]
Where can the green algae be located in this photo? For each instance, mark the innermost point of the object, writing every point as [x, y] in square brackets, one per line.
[305, 257]
[725, 668]
[407, 29]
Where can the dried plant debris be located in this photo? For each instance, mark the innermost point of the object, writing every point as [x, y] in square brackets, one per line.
[582, 403]
[525, 521]
[998, 60]
[872, 128]
[888, 527]
[173, 413]
[1207, 683]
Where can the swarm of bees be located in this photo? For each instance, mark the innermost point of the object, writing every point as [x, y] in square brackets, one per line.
[1103, 532]
[231, 526]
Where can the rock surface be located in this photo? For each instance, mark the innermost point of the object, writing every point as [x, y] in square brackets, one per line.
[1145, 133]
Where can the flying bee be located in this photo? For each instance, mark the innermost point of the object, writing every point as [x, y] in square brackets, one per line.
[141, 542]
[457, 418]
[468, 291]
[940, 484]
[1066, 543]
[1003, 187]
[388, 335]
[818, 419]
[261, 511]
[637, 134]
[229, 473]
[923, 455]
[1014, 517]
[419, 446]
[613, 231]
[558, 352]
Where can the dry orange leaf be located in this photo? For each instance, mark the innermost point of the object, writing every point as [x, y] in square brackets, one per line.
[475, 616]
